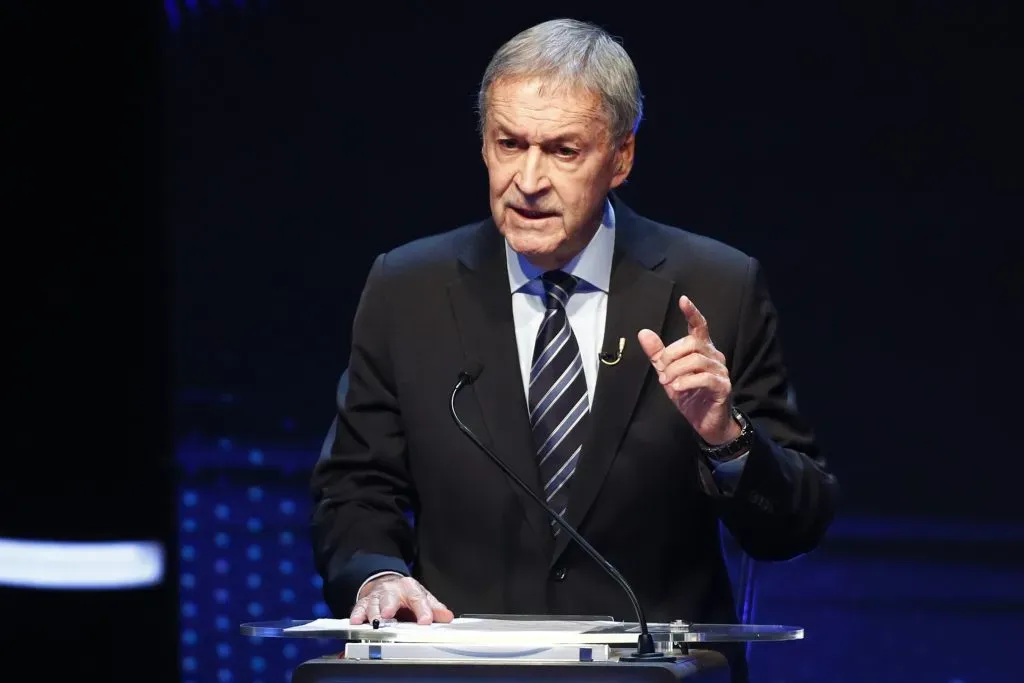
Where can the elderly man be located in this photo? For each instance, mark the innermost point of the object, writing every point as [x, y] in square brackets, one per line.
[631, 374]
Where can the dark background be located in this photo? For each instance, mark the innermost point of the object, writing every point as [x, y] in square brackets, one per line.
[87, 454]
[860, 152]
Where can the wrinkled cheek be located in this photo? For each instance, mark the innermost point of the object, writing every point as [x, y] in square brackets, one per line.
[501, 184]
[504, 175]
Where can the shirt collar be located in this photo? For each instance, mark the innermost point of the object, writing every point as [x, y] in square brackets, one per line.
[593, 265]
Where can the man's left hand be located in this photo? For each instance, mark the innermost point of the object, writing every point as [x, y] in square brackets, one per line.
[695, 377]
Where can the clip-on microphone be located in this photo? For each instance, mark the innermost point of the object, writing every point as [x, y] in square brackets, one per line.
[645, 650]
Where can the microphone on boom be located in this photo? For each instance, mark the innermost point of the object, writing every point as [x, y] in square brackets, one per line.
[645, 650]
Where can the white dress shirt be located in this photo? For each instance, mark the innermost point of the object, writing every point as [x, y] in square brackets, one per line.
[587, 307]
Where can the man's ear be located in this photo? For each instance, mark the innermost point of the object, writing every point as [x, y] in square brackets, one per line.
[624, 160]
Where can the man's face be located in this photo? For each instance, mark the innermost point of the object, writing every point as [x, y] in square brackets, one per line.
[551, 161]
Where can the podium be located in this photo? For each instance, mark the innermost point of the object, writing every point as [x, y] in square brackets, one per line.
[503, 649]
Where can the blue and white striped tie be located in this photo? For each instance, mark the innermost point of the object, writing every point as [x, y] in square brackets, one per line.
[559, 405]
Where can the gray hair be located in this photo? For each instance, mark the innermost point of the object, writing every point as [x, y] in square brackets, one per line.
[571, 54]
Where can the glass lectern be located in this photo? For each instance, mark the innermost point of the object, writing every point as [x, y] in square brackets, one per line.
[502, 649]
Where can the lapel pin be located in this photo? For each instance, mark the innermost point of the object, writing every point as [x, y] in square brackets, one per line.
[609, 358]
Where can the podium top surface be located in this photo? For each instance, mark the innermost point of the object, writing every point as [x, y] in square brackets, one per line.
[547, 630]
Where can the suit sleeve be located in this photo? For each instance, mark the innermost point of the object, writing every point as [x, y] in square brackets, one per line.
[784, 499]
[361, 485]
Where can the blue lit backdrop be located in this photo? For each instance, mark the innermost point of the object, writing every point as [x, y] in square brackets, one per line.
[244, 557]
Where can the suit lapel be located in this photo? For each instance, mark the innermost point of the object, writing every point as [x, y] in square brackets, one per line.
[638, 298]
[482, 305]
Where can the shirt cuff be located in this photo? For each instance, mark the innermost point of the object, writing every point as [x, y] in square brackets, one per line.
[727, 472]
[372, 577]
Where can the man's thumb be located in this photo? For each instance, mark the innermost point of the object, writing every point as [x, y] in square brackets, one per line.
[650, 342]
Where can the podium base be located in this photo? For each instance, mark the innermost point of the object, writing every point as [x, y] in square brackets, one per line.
[654, 658]
[699, 666]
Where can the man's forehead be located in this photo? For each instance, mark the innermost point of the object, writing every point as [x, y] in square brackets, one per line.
[528, 124]
[528, 108]
[540, 93]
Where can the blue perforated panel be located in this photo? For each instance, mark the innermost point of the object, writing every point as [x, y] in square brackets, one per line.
[245, 556]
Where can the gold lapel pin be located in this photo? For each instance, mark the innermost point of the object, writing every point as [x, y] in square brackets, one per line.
[613, 358]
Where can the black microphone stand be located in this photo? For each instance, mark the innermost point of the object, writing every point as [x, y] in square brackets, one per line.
[645, 650]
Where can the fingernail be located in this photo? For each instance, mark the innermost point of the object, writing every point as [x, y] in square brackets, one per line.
[662, 377]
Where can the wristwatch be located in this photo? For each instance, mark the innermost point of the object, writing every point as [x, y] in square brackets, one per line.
[730, 449]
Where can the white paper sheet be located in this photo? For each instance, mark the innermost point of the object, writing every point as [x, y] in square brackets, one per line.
[466, 630]
[459, 624]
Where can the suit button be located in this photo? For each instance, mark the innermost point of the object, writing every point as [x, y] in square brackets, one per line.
[761, 502]
[560, 574]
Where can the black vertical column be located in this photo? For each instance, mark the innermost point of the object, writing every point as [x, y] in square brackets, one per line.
[87, 527]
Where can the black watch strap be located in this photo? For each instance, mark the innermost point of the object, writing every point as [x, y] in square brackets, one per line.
[737, 446]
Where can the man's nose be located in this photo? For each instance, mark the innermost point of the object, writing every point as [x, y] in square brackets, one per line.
[532, 177]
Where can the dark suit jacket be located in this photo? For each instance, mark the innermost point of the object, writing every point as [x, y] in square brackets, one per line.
[642, 494]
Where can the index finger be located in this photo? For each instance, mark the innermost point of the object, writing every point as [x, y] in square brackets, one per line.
[389, 604]
[695, 321]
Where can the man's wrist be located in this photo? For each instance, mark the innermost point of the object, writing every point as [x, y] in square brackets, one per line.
[738, 441]
[732, 431]
[374, 577]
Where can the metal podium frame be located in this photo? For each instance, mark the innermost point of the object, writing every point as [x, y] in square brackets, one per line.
[682, 639]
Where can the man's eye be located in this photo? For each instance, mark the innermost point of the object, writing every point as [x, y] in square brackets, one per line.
[567, 152]
[507, 143]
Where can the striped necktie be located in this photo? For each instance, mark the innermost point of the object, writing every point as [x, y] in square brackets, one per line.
[559, 405]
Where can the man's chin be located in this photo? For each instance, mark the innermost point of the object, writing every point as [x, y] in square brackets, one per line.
[543, 255]
[530, 247]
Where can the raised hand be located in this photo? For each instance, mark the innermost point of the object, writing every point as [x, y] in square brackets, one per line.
[695, 377]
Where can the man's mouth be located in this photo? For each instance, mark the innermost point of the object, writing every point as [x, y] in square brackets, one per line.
[533, 214]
